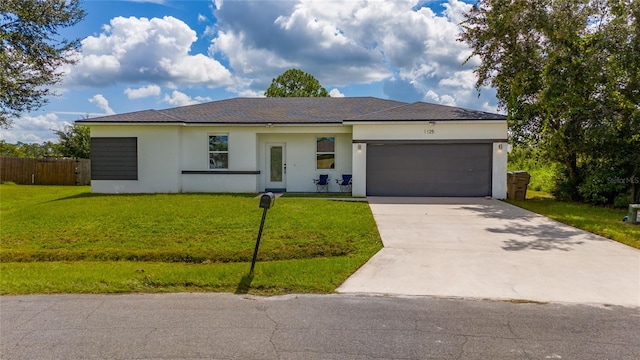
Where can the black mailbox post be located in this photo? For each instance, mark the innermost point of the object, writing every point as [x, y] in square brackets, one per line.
[266, 202]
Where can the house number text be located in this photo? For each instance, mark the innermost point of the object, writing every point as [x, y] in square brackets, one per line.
[429, 131]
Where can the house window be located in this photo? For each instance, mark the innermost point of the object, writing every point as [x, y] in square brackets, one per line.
[218, 151]
[325, 152]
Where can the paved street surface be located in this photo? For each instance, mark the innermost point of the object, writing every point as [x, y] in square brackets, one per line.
[486, 248]
[226, 326]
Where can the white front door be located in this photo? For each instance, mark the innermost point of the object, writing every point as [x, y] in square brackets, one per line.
[276, 166]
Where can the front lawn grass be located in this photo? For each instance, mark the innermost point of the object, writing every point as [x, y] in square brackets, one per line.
[599, 220]
[64, 239]
[322, 195]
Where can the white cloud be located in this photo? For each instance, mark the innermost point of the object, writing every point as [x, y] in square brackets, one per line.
[350, 42]
[335, 93]
[455, 10]
[34, 129]
[460, 79]
[202, 99]
[448, 100]
[431, 96]
[178, 98]
[101, 102]
[143, 92]
[245, 59]
[244, 92]
[131, 50]
[262, 41]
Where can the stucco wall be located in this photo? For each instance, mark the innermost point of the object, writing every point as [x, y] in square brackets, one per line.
[158, 159]
[165, 151]
[194, 156]
[499, 171]
[300, 156]
[425, 131]
[359, 181]
[439, 131]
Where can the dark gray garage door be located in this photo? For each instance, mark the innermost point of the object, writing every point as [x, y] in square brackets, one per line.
[429, 170]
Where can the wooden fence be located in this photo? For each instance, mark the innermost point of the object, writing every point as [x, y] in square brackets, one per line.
[28, 171]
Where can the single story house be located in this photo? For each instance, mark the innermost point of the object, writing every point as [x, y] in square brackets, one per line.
[391, 148]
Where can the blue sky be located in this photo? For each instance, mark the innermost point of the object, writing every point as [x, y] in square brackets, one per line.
[156, 54]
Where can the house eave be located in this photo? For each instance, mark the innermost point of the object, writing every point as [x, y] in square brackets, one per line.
[203, 124]
[265, 124]
[424, 122]
[127, 123]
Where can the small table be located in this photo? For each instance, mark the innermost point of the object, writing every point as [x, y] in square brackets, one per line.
[633, 213]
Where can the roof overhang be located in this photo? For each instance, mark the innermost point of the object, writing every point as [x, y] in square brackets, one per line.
[424, 122]
[261, 124]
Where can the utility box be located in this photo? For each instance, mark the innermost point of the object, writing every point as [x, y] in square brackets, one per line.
[517, 182]
[267, 200]
[633, 213]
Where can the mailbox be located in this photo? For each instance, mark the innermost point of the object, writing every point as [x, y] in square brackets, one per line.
[267, 200]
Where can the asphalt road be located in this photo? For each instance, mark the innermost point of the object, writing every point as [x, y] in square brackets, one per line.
[226, 326]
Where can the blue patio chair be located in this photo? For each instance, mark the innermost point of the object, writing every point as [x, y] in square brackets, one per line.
[345, 183]
[322, 183]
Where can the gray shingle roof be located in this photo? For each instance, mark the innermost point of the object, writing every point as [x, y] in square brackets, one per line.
[145, 116]
[303, 110]
[421, 111]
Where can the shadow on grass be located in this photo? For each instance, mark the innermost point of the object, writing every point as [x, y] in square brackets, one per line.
[98, 195]
[245, 285]
[317, 195]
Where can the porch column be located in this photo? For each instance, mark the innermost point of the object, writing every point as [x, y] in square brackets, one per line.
[359, 163]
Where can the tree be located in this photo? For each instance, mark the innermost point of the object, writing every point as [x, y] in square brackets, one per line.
[32, 52]
[10, 150]
[566, 71]
[74, 141]
[295, 83]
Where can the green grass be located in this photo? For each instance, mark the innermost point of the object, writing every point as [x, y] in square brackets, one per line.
[535, 194]
[599, 220]
[319, 275]
[65, 239]
[323, 195]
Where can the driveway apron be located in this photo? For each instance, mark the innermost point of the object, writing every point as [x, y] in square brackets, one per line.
[486, 248]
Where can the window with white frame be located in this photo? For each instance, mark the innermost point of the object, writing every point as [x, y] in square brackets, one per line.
[325, 152]
[218, 151]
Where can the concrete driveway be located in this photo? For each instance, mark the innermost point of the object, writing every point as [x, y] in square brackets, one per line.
[485, 248]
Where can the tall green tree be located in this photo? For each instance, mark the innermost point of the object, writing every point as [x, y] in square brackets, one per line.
[74, 141]
[33, 52]
[296, 83]
[566, 71]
